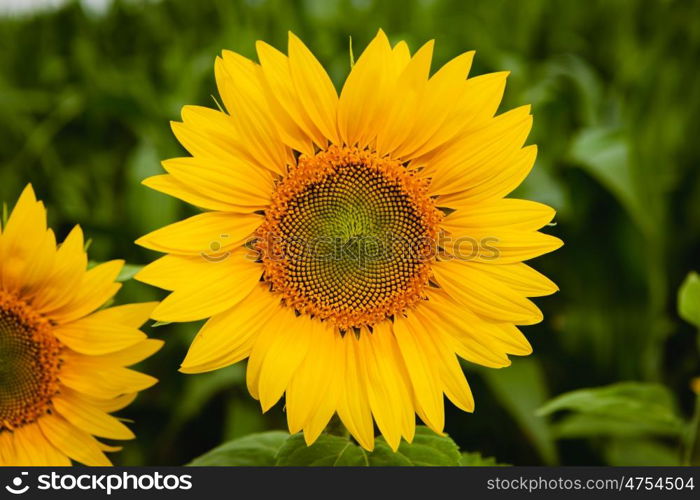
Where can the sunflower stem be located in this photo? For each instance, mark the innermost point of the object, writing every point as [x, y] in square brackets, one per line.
[336, 428]
[692, 435]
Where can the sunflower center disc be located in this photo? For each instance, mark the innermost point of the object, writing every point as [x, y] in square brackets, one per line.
[29, 363]
[349, 237]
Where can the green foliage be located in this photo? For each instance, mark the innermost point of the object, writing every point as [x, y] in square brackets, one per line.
[522, 389]
[198, 389]
[645, 408]
[630, 415]
[689, 299]
[128, 272]
[475, 459]
[640, 452]
[260, 450]
[427, 449]
[327, 451]
[604, 153]
[281, 449]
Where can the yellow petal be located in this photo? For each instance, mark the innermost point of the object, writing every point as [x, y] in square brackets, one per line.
[454, 383]
[365, 93]
[240, 84]
[171, 271]
[75, 443]
[228, 337]
[65, 278]
[24, 246]
[312, 393]
[96, 287]
[32, 449]
[279, 319]
[319, 415]
[218, 286]
[238, 183]
[131, 355]
[208, 133]
[395, 375]
[509, 213]
[441, 92]
[7, 449]
[38, 267]
[93, 337]
[106, 405]
[107, 448]
[282, 357]
[295, 126]
[384, 397]
[474, 158]
[102, 381]
[473, 107]
[315, 90]
[83, 415]
[132, 315]
[485, 295]
[353, 404]
[482, 341]
[499, 183]
[396, 125]
[520, 277]
[472, 344]
[202, 234]
[499, 246]
[167, 184]
[422, 370]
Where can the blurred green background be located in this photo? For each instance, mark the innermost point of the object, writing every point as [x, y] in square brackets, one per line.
[87, 91]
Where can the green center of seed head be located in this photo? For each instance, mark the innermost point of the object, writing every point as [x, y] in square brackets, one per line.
[17, 362]
[348, 223]
[348, 238]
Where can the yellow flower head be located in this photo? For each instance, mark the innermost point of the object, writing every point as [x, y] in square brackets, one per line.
[62, 362]
[353, 246]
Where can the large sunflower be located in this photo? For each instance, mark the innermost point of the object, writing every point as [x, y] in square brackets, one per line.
[352, 246]
[62, 365]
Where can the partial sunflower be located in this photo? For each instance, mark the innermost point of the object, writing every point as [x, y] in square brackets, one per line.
[62, 361]
[352, 246]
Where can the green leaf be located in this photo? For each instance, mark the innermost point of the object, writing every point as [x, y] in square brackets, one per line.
[626, 408]
[579, 425]
[199, 389]
[475, 459]
[689, 299]
[639, 453]
[427, 449]
[604, 153]
[254, 450]
[128, 272]
[327, 451]
[521, 389]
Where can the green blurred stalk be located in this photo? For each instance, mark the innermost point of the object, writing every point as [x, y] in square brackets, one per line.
[692, 435]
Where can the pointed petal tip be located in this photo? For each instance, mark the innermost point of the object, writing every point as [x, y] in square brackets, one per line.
[29, 191]
[309, 438]
[142, 241]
